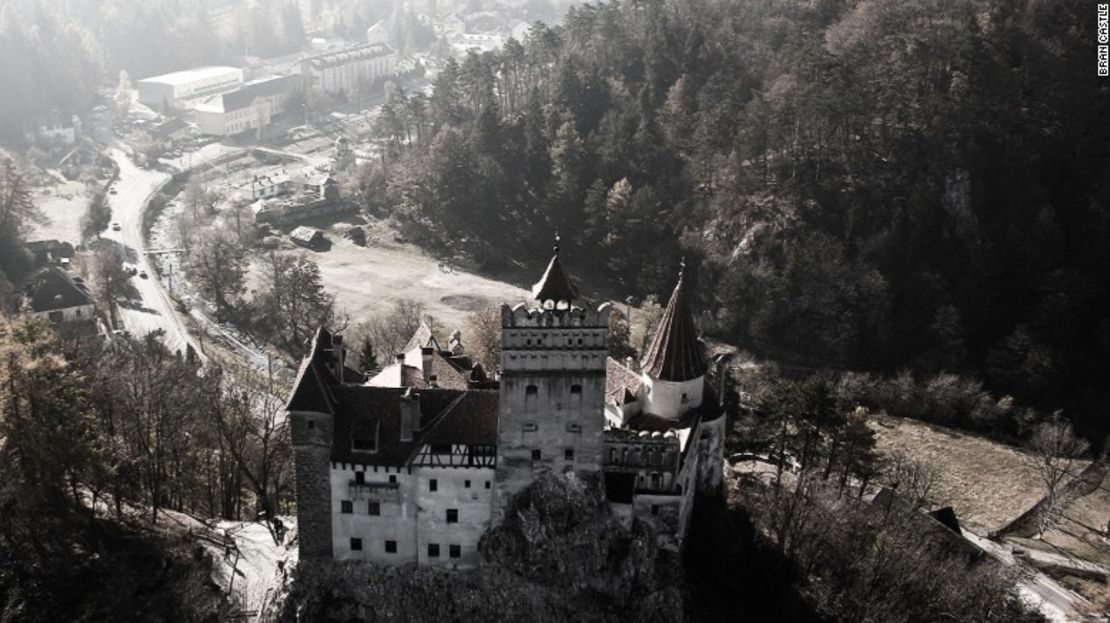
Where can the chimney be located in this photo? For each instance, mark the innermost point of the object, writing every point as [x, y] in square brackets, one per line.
[433, 381]
[339, 354]
[426, 362]
[410, 415]
[399, 358]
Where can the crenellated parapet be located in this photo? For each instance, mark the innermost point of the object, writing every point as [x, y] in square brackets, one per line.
[521, 316]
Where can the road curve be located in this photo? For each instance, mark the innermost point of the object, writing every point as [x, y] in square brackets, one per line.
[153, 310]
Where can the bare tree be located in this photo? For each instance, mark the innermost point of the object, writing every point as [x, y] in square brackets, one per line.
[911, 478]
[218, 264]
[1055, 451]
[484, 338]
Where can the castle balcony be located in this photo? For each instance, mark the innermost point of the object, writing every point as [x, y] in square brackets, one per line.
[375, 491]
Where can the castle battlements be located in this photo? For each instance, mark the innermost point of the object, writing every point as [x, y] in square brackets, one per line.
[417, 463]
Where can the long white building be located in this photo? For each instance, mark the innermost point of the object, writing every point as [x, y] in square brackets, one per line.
[347, 70]
[177, 88]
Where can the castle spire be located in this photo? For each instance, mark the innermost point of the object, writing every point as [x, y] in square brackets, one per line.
[674, 354]
[555, 285]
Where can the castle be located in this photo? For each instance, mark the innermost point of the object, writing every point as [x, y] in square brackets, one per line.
[416, 463]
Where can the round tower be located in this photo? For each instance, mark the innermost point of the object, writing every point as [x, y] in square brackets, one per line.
[674, 367]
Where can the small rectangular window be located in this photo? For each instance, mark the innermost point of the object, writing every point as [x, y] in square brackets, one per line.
[311, 424]
[360, 478]
[574, 428]
[433, 485]
[536, 455]
[654, 509]
[466, 484]
[530, 427]
[487, 484]
[374, 508]
[346, 507]
[452, 515]
[391, 547]
[393, 479]
[568, 454]
[356, 545]
[455, 551]
[433, 550]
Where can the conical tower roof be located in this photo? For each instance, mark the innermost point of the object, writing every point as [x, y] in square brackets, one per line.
[555, 285]
[674, 354]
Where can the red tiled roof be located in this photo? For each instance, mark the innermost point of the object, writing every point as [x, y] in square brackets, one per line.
[363, 408]
[674, 354]
[619, 382]
[555, 285]
[472, 421]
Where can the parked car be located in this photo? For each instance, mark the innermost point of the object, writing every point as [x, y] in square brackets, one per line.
[115, 227]
[142, 274]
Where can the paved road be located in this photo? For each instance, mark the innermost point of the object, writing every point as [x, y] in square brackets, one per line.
[153, 310]
[1056, 603]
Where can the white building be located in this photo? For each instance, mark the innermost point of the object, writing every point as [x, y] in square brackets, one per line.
[347, 70]
[249, 107]
[177, 88]
[53, 294]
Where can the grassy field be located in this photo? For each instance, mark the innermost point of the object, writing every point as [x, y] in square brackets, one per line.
[989, 484]
[63, 205]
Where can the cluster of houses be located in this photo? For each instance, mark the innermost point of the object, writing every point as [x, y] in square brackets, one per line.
[226, 101]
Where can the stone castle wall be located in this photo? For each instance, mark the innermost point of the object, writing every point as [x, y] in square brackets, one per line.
[312, 437]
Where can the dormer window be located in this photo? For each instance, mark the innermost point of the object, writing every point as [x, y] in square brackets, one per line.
[364, 436]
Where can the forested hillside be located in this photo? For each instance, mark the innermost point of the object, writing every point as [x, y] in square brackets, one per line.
[873, 184]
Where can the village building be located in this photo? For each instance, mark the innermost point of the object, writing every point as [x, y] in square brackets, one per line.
[250, 107]
[417, 463]
[51, 293]
[349, 69]
[175, 90]
[171, 132]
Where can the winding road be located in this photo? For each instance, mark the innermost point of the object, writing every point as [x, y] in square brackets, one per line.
[153, 310]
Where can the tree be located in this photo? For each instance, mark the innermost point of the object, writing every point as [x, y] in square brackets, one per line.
[1055, 452]
[111, 282]
[46, 436]
[17, 213]
[620, 336]
[97, 217]
[484, 338]
[292, 302]
[218, 266]
[367, 358]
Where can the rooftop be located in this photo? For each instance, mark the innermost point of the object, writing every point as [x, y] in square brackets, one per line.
[186, 76]
[675, 354]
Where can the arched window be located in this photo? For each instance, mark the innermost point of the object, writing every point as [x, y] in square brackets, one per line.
[575, 396]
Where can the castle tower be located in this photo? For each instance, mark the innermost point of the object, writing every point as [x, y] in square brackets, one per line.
[553, 357]
[674, 368]
[311, 420]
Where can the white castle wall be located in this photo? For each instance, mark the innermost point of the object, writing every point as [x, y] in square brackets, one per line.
[666, 398]
[411, 514]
